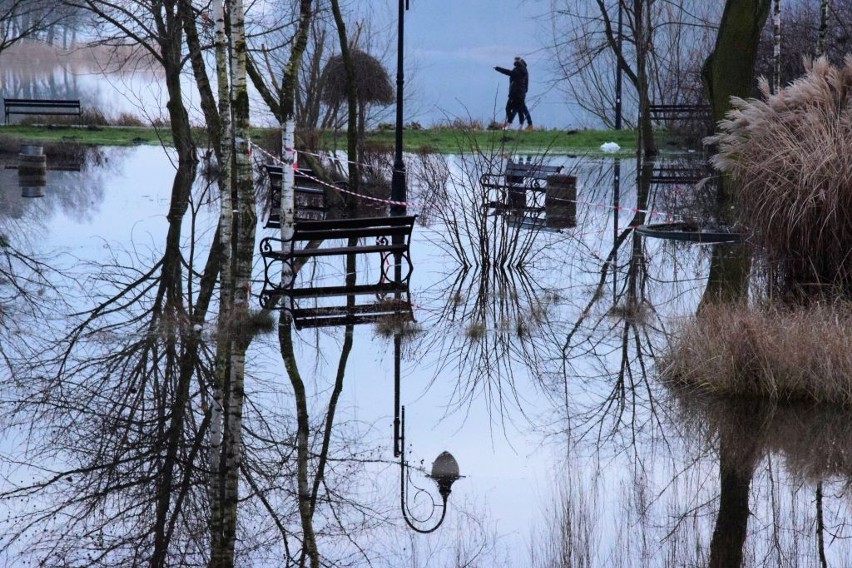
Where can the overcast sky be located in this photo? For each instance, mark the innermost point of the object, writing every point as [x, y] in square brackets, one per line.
[451, 48]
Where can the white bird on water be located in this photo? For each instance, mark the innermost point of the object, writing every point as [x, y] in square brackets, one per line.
[610, 147]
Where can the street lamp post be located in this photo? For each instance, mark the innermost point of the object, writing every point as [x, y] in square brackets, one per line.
[618, 72]
[398, 190]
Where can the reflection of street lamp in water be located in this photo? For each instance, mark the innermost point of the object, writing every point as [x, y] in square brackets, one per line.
[445, 469]
[445, 472]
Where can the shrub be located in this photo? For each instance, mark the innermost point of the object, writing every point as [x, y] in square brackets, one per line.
[788, 156]
[776, 354]
[93, 116]
[127, 119]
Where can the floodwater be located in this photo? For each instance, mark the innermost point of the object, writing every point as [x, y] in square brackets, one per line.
[539, 375]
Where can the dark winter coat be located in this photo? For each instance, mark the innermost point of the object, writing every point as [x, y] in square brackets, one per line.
[518, 80]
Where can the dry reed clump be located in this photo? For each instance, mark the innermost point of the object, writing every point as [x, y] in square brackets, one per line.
[814, 439]
[777, 354]
[789, 158]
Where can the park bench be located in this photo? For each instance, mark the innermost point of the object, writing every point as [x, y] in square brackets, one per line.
[669, 172]
[41, 107]
[516, 180]
[383, 239]
[678, 112]
[310, 198]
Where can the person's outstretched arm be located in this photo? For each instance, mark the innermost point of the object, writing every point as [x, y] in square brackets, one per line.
[503, 70]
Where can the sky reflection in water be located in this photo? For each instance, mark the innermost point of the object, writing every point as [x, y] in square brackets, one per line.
[552, 407]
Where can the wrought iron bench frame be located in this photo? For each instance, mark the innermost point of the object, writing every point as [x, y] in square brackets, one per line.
[516, 179]
[392, 239]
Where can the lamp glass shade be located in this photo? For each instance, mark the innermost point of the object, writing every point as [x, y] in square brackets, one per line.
[445, 471]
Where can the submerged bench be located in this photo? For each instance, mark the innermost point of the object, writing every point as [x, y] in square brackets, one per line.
[681, 173]
[524, 174]
[47, 107]
[387, 238]
[310, 198]
[679, 112]
[516, 180]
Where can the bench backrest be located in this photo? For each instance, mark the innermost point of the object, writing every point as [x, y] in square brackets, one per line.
[308, 230]
[538, 171]
[42, 102]
[658, 112]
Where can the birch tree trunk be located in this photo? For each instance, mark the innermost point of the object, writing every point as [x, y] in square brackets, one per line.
[288, 119]
[234, 337]
[226, 295]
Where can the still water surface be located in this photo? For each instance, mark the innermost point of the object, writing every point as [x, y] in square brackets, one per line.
[541, 380]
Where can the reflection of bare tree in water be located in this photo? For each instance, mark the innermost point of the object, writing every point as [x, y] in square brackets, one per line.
[752, 439]
[494, 320]
[26, 289]
[625, 320]
[493, 324]
[118, 379]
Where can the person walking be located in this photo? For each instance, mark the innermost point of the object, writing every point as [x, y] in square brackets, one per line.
[516, 102]
[523, 111]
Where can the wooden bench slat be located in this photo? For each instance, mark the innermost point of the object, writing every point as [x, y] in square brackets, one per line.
[46, 107]
[344, 233]
[323, 291]
[659, 112]
[330, 251]
[374, 308]
[356, 222]
[305, 321]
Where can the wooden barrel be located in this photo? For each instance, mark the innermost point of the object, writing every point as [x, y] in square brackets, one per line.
[32, 170]
[32, 161]
[560, 201]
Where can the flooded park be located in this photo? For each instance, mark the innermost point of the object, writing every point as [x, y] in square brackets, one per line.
[539, 372]
[273, 338]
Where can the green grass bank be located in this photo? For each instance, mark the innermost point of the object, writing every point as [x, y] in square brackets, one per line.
[443, 140]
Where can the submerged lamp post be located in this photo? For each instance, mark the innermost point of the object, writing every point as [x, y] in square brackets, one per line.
[619, 70]
[445, 468]
[445, 472]
[398, 189]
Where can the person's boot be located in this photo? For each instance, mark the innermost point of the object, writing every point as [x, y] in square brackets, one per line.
[530, 126]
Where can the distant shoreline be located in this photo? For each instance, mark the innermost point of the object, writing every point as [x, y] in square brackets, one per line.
[440, 140]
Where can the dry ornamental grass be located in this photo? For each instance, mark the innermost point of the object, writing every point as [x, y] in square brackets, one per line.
[779, 354]
[789, 158]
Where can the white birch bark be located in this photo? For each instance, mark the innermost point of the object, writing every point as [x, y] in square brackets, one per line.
[226, 220]
[288, 190]
[245, 225]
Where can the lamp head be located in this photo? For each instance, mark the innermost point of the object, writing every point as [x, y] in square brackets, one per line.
[445, 471]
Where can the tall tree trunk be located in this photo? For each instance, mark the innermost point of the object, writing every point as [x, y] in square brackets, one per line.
[644, 47]
[288, 122]
[729, 72]
[224, 154]
[168, 22]
[352, 100]
[303, 425]
[245, 222]
[776, 46]
[823, 27]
